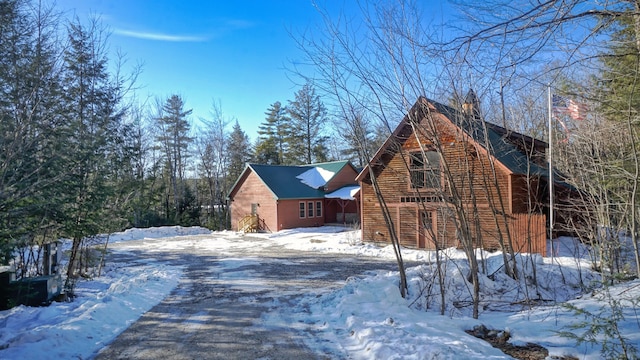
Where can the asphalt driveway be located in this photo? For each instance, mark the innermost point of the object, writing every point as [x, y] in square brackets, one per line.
[215, 311]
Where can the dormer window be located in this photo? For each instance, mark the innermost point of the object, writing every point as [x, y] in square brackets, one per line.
[425, 170]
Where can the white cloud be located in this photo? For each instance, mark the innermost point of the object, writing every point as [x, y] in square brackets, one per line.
[158, 36]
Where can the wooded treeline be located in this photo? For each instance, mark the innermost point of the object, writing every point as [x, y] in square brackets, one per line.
[81, 155]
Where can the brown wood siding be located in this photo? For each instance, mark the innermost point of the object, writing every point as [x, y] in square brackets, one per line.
[522, 190]
[289, 214]
[373, 224]
[253, 191]
[529, 233]
[489, 193]
[407, 229]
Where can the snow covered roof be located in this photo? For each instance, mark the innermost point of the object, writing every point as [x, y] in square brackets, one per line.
[316, 177]
[344, 193]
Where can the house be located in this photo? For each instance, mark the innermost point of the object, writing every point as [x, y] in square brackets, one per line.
[445, 170]
[277, 197]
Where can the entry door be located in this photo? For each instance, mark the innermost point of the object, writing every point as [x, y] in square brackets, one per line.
[254, 209]
[426, 229]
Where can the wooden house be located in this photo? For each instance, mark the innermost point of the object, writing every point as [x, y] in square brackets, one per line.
[275, 197]
[444, 171]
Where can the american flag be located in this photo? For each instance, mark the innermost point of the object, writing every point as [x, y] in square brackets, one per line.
[562, 105]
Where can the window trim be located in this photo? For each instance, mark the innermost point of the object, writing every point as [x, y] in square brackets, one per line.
[310, 210]
[302, 210]
[318, 208]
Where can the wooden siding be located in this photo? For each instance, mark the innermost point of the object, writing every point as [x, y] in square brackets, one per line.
[490, 195]
[253, 191]
[529, 233]
[524, 194]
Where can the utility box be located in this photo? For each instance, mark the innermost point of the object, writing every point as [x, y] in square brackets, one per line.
[33, 291]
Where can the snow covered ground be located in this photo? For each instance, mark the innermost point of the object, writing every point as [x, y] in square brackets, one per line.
[367, 318]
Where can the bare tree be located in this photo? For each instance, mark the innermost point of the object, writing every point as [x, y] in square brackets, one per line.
[213, 164]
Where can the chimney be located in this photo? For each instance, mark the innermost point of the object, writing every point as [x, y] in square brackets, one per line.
[471, 105]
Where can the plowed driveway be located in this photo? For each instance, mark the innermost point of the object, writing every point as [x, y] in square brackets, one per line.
[215, 311]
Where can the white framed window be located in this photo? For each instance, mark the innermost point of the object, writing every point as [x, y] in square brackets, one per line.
[303, 213]
[318, 208]
[310, 209]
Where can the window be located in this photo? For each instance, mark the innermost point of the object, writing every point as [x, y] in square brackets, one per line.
[427, 220]
[310, 210]
[425, 170]
[318, 208]
[302, 210]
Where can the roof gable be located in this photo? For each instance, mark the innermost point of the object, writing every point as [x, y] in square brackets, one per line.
[484, 134]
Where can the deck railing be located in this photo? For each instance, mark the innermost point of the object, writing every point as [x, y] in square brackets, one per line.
[249, 223]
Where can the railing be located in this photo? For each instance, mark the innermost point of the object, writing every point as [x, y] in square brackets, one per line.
[249, 223]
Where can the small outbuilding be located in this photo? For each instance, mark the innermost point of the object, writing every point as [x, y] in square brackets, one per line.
[276, 197]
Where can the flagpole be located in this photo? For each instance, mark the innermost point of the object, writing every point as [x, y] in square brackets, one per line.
[550, 156]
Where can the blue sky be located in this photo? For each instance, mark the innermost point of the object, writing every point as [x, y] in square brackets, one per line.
[234, 52]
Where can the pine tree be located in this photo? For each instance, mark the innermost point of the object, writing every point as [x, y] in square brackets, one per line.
[29, 125]
[308, 114]
[239, 151]
[174, 140]
[619, 92]
[271, 145]
[93, 118]
[618, 82]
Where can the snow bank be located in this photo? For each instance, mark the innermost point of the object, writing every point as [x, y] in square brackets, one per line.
[103, 308]
[155, 233]
[366, 318]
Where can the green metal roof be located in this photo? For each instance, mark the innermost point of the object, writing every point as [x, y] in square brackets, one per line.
[497, 145]
[283, 182]
[506, 153]
[333, 166]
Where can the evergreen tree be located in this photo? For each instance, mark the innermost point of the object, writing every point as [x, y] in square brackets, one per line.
[136, 190]
[29, 125]
[308, 114]
[174, 140]
[619, 96]
[239, 151]
[94, 121]
[618, 82]
[271, 145]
